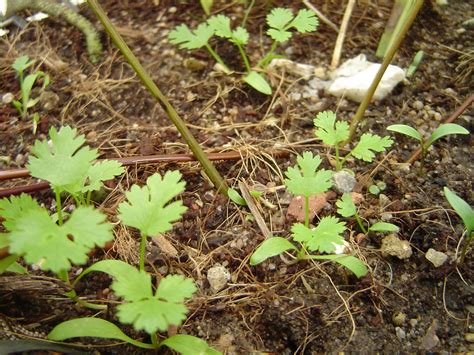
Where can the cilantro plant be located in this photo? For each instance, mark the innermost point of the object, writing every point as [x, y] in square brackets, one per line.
[445, 129]
[466, 213]
[280, 21]
[148, 208]
[306, 180]
[27, 82]
[347, 208]
[335, 134]
[69, 167]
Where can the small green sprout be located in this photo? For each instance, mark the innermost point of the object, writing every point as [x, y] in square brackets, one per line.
[206, 6]
[306, 180]
[26, 85]
[69, 167]
[325, 238]
[445, 129]
[145, 309]
[375, 189]
[280, 21]
[148, 208]
[467, 215]
[335, 134]
[347, 208]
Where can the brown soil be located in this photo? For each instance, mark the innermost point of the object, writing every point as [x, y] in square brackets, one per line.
[304, 308]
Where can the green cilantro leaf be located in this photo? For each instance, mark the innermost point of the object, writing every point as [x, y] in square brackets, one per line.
[67, 166]
[146, 208]
[323, 238]
[368, 144]
[221, 25]
[188, 39]
[305, 21]
[152, 312]
[306, 181]
[240, 35]
[62, 163]
[102, 171]
[11, 210]
[346, 207]
[329, 131]
[279, 18]
[39, 240]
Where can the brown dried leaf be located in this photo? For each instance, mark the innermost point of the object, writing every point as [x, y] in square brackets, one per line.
[165, 246]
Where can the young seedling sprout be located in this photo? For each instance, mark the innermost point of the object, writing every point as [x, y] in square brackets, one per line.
[443, 130]
[335, 134]
[306, 180]
[280, 21]
[347, 208]
[467, 215]
[26, 85]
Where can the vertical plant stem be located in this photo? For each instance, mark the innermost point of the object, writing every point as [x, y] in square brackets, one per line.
[338, 160]
[386, 61]
[306, 211]
[217, 57]
[247, 12]
[154, 340]
[264, 62]
[359, 222]
[206, 164]
[244, 57]
[469, 236]
[58, 206]
[142, 251]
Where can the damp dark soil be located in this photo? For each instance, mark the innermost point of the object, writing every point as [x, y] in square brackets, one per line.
[402, 305]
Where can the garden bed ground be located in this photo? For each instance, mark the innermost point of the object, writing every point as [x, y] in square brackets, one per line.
[402, 305]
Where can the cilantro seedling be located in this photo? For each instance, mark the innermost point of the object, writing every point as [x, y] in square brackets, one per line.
[33, 234]
[280, 21]
[335, 134]
[27, 82]
[445, 129]
[306, 180]
[347, 208]
[144, 308]
[148, 208]
[325, 238]
[467, 215]
[69, 167]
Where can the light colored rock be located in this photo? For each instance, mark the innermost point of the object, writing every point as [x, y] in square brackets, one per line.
[303, 70]
[218, 276]
[354, 77]
[344, 181]
[469, 337]
[430, 340]
[7, 98]
[437, 258]
[393, 246]
[401, 334]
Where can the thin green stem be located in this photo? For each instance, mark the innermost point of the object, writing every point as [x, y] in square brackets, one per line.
[64, 276]
[247, 13]
[359, 222]
[306, 211]
[142, 251]
[469, 236]
[99, 307]
[206, 164]
[244, 57]
[154, 340]
[264, 62]
[217, 57]
[88, 198]
[338, 160]
[58, 206]
[386, 62]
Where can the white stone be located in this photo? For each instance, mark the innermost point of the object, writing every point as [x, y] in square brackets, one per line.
[354, 77]
[344, 181]
[437, 258]
[218, 276]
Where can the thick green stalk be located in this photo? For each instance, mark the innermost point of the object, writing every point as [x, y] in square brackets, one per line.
[416, 5]
[206, 164]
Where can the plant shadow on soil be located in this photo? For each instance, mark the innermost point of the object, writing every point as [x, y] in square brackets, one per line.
[304, 308]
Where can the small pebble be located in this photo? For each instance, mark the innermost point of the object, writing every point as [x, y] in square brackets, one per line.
[469, 337]
[7, 98]
[218, 276]
[400, 333]
[437, 258]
